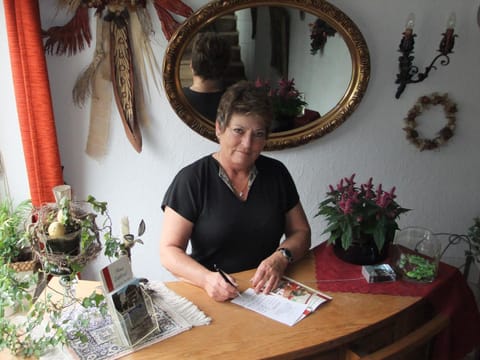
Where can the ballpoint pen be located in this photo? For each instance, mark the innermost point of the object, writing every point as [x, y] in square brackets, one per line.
[225, 277]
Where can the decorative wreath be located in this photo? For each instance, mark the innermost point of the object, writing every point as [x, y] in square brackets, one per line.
[423, 103]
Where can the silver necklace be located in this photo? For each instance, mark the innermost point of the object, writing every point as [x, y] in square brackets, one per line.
[242, 192]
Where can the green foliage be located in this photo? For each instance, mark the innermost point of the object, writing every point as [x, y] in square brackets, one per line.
[417, 267]
[40, 326]
[12, 229]
[353, 211]
[44, 316]
[474, 240]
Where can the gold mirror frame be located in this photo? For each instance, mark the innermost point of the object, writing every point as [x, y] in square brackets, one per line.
[280, 140]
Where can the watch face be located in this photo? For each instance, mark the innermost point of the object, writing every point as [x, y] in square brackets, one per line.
[285, 252]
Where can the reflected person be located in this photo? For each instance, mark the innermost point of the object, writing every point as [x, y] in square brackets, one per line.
[210, 59]
[234, 206]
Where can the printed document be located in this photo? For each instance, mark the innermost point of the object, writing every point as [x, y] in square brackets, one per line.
[289, 303]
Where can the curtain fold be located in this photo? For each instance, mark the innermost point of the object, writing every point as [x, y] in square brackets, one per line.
[33, 99]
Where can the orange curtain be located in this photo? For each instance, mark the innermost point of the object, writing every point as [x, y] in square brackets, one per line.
[32, 93]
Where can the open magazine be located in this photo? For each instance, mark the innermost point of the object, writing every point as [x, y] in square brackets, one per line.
[289, 303]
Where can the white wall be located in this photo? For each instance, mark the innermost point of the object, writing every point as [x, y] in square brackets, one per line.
[440, 186]
[13, 172]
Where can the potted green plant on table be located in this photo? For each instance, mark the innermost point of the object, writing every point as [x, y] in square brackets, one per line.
[15, 249]
[474, 240]
[472, 253]
[41, 325]
[361, 220]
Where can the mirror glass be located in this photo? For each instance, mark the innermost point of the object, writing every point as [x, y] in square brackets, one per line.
[274, 40]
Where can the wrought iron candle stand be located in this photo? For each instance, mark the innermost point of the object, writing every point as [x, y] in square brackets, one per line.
[408, 73]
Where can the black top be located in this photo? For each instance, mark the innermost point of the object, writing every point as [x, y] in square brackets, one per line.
[234, 234]
[205, 103]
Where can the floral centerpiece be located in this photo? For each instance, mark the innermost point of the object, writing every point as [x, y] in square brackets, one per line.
[356, 214]
[287, 101]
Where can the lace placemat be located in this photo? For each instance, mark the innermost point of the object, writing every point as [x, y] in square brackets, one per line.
[174, 314]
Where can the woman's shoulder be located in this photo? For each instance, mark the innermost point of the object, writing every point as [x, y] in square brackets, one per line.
[200, 164]
[265, 162]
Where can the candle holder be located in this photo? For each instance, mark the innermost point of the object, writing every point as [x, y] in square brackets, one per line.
[409, 73]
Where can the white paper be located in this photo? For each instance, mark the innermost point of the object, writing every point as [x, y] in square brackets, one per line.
[272, 306]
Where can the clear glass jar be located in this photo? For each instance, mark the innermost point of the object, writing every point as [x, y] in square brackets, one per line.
[416, 254]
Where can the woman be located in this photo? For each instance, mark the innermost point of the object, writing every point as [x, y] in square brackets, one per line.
[234, 205]
[210, 61]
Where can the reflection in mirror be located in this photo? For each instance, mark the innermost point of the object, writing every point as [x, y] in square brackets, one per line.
[331, 82]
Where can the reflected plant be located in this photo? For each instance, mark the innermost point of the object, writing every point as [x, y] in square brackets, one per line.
[287, 101]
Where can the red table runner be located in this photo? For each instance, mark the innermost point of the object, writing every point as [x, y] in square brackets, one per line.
[448, 293]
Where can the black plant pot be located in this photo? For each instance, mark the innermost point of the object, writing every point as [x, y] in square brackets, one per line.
[362, 252]
[68, 245]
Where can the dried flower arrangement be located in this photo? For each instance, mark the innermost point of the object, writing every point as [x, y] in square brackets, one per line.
[445, 133]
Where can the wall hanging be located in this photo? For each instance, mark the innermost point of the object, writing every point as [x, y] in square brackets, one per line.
[424, 103]
[408, 73]
[122, 59]
[319, 32]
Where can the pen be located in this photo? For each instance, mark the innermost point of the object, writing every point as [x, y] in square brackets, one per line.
[225, 277]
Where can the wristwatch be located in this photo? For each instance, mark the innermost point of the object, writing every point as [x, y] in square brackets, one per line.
[286, 253]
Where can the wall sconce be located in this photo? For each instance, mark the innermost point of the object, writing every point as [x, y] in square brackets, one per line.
[408, 73]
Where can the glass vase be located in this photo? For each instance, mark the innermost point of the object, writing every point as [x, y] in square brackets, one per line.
[416, 254]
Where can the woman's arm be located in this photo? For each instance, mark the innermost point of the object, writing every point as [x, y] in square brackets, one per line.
[175, 234]
[297, 241]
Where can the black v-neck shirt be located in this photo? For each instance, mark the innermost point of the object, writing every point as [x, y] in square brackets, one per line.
[206, 103]
[234, 234]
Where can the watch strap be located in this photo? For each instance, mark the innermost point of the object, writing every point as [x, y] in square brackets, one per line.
[286, 253]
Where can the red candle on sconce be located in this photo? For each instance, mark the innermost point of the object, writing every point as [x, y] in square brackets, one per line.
[448, 40]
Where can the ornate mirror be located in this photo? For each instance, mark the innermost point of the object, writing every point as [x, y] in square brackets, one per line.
[272, 45]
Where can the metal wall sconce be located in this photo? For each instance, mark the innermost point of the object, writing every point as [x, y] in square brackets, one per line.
[408, 73]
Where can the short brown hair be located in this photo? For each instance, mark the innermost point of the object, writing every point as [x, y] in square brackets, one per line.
[210, 55]
[244, 97]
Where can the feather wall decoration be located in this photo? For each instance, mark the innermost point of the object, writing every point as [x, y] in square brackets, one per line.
[119, 66]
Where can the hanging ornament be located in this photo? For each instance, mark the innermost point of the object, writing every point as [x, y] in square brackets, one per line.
[122, 56]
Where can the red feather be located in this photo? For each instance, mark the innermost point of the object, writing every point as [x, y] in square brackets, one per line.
[174, 6]
[71, 37]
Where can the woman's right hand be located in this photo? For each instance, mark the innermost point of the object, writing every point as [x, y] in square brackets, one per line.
[218, 289]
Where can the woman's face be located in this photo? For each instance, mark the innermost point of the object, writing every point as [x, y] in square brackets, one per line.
[243, 140]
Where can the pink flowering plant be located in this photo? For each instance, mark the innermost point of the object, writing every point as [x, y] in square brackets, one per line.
[287, 101]
[352, 211]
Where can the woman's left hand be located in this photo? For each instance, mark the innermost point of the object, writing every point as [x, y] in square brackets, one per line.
[269, 273]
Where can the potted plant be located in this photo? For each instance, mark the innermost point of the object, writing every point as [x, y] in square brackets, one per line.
[474, 240]
[15, 249]
[288, 103]
[361, 220]
[472, 253]
[66, 235]
[91, 220]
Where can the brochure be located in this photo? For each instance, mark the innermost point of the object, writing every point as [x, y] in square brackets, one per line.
[130, 306]
[289, 303]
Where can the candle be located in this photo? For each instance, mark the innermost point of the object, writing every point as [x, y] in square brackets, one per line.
[448, 40]
[451, 21]
[409, 25]
[410, 21]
